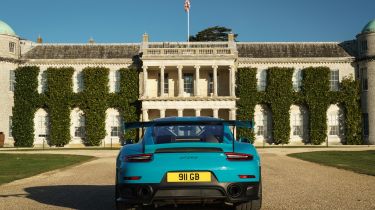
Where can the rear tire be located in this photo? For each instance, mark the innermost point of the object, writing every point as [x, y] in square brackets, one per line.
[253, 204]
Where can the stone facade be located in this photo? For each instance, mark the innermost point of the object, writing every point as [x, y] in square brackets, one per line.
[190, 79]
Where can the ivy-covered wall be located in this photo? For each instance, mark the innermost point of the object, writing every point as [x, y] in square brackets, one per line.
[59, 99]
[314, 94]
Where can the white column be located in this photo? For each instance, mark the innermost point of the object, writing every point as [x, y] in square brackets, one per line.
[145, 115]
[232, 114]
[180, 82]
[145, 77]
[215, 79]
[197, 112]
[162, 113]
[196, 87]
[162, 68]
[180, 112]
[216, 112]
[232, 81]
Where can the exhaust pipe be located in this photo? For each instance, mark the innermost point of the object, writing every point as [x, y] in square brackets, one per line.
[145, 191]
[234, 190]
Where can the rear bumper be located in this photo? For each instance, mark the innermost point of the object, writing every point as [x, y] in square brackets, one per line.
[138, 194]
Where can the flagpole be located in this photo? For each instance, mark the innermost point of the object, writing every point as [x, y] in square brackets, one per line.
[188, 17]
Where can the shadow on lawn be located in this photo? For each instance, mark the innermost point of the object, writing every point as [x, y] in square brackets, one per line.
[87, 197]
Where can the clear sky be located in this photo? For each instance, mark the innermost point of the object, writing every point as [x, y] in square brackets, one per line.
[165, 20]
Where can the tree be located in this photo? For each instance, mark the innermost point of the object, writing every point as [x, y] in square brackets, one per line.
[216, 33]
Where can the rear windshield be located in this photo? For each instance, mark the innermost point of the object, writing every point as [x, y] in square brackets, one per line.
[188, 133]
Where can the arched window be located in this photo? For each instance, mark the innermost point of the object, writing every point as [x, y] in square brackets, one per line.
[299, 123]
[41, 126]
[297, 80]
[263, 122]
[77, 118]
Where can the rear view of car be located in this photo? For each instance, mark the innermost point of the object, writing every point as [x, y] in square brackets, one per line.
[188, 160]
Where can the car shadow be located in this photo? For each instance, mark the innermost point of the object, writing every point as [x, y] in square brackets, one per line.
[91, 197]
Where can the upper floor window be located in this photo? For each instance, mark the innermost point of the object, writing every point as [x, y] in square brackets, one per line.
[364, 80]
[297, 80]
[363, 46]
[166, 84]
[114, 81]
[12, 47]
[334, 80]
[188, 83]
[42, 80]
[78, 85]
[261, 80]
[12, 80]
[210, 83]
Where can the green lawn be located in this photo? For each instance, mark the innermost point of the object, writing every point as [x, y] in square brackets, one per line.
[18, 166]
[357, 161]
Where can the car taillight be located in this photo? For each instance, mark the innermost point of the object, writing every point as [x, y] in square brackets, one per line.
[138, 158]
[238, 156]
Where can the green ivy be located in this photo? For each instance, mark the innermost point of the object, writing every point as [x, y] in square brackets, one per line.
[93, 102]
[279, 94]
[314, 94]
[315, 88]
[126, 100]
[59, 99]
[26, 101]
[350, 100]
[247, 93]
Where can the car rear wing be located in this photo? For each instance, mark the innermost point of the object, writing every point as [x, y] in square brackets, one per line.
[237, 123]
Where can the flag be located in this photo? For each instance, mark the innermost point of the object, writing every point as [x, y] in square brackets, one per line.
[187, 5]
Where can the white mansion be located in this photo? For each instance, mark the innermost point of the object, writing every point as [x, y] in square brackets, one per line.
[192, 79]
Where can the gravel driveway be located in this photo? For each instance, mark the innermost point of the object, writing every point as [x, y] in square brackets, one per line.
[287, 184]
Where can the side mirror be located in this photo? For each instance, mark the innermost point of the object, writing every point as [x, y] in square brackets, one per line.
[245, 140]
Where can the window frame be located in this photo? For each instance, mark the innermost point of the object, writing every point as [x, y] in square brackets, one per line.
[12, 80]
[12, 47]
[334, 80]
[188, 84]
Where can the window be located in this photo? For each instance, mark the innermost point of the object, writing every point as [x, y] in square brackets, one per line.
[333, 123]
[12, 47]
[115, 122]
[297, 80]
[166, 84]
[210, 83]
[42, 125]
[261, 80]
[297, 124]
[364, 79]
[365, 124]
[334, 80]
[114, 81]
[188, 83]
[261, 124]
[10, 126]
[78, 84]
[79, 128]
[12, 80]
[42, 80]
[363, 46]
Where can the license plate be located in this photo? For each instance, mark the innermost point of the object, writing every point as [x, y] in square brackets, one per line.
[189, 176]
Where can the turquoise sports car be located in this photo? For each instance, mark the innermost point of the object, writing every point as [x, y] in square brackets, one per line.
[188, 160]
